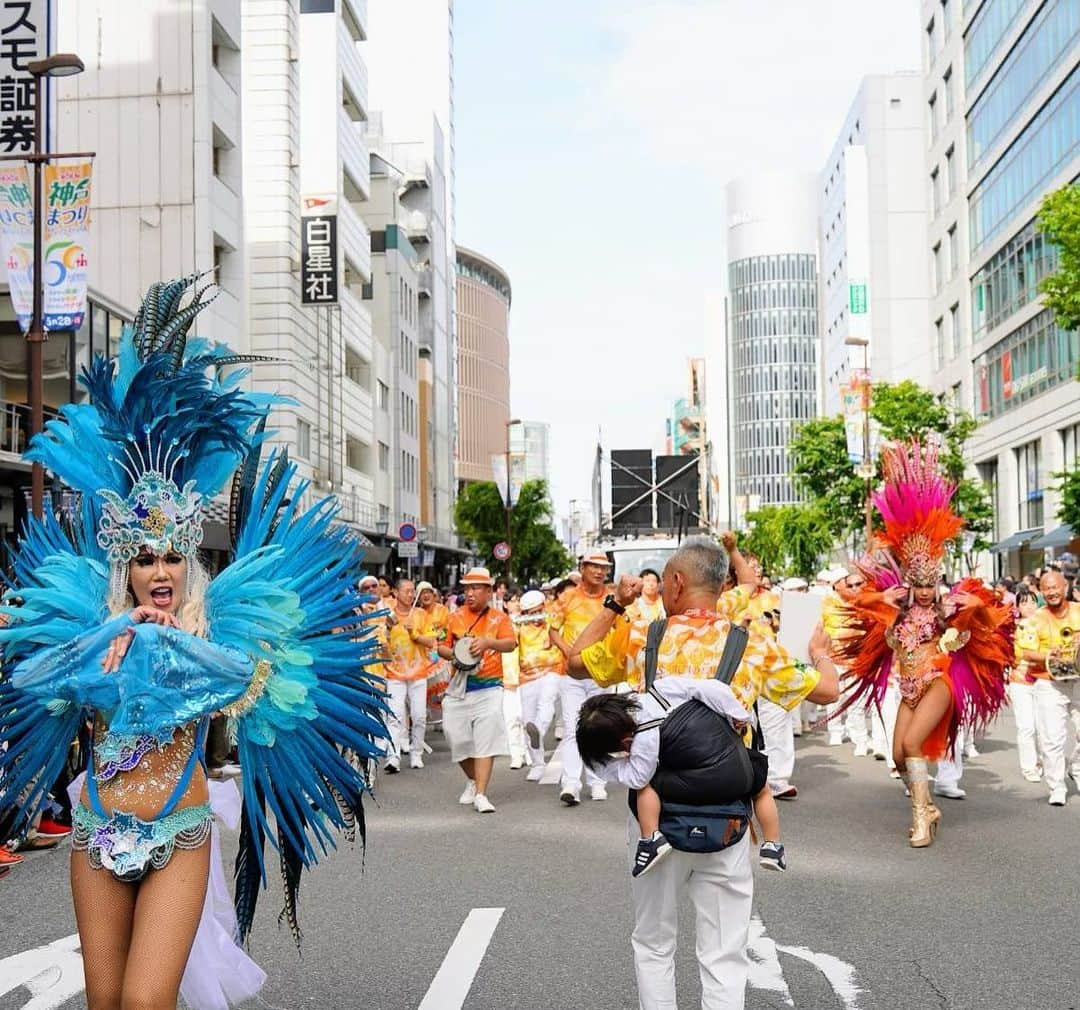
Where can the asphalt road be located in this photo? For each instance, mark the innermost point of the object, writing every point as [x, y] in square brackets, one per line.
[986, 918]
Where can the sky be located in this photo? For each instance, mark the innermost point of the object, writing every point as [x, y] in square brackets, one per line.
[594, 139]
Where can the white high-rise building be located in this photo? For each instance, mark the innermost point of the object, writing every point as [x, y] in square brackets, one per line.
[411, 68]
[1002, 91]
[304, 111]
[772, 331]
[874, 281]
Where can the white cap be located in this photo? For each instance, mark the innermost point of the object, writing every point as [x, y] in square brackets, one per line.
[793, 585]
[832, 574]
[421, 586]
[532, 599]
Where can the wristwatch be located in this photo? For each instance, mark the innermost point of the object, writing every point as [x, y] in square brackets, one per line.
[613, 604]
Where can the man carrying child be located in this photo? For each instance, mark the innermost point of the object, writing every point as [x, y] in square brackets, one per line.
[612, 650]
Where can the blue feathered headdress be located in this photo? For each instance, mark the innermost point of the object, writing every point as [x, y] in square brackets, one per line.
[160, 436]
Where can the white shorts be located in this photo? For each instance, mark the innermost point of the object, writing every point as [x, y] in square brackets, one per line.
[474, 725]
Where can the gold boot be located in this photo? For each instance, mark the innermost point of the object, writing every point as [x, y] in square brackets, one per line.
[925, 816]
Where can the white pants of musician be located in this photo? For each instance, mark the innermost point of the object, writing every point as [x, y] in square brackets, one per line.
[1054, 704]
[721, 887]
[1022, 703]
[572, 694]
[853, 721]
[413, 695]
[538, 707]
[515, 733]
[777, 728]
[882, 726]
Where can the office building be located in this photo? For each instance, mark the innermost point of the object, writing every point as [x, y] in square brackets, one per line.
[772, 333]
[483, 373]
[688, 435]
[874, 282]
[1015, 67]
[529, 452]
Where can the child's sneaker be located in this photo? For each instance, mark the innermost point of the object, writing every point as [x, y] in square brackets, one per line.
[649, 852]
[771, 856]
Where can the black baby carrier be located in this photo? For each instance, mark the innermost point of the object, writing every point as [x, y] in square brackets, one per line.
[705, 776]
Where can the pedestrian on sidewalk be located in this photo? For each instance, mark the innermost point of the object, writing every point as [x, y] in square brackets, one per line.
[472, 706]
[611, 650]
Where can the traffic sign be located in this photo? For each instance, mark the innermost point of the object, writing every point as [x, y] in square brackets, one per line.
[407, 549]
[501, 551]
[406, 531]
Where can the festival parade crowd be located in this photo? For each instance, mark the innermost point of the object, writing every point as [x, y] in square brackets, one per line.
[143, 701]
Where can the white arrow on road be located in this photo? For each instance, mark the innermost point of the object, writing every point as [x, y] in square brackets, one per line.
[52, 974]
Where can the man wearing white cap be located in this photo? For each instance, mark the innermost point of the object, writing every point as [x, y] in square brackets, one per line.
[576, 611]
[406, 676]
[473, 705]
[540, 667]
[839, 579]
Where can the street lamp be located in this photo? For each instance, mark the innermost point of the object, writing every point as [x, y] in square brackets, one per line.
[866, 470]
[509, 488]
[57, 65]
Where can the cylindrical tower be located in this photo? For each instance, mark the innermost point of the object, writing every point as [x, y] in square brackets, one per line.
[772, 339]
[483, 364]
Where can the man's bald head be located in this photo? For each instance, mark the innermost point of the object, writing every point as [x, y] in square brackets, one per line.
[702, 562]
[1052, 586]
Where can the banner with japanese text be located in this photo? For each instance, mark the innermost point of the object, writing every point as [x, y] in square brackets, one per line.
[67, 224]
[17, 240]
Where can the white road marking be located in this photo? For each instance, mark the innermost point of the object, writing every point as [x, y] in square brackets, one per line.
[839, 974]
[52, 974]
[456, 973]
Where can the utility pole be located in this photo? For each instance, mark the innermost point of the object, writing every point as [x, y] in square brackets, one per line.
[866, 468]
[509, 499]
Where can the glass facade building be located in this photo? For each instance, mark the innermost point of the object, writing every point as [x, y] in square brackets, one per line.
[773, 347]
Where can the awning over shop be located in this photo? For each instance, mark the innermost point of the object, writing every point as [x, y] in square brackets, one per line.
[375, 556]
[1061, 537]
[1020, 539]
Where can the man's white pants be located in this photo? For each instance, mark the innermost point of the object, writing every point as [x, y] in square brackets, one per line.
[721, 886]
[538, 707]
[1022, 702]
[853, 721]
[573, 693]
[882, 726]
[777, 728]
[950, 770]
[515, 732]
[1053, 701]
[412, 693]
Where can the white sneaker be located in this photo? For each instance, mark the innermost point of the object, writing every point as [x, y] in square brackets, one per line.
[393, 765]
[467, 797]
[970, 751]
[1057, 798]
[949, 791]
[570, 795]
[1033, 775]
[835, 741]
[482, 805]
[415, 760]
[230, 768]
[598, 791]
[516, 763]
[862, 750]
[535, 773]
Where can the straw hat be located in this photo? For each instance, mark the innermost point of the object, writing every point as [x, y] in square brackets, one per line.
[476, 577]
[595, 558]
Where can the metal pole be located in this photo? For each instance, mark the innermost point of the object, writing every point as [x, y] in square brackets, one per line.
[509, 504]
[866, 449]
[36, 337]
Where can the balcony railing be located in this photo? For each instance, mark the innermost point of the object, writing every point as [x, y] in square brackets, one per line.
[15, 425]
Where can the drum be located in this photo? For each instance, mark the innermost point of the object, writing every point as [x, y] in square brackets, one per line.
[1067, 665]
[463, 659]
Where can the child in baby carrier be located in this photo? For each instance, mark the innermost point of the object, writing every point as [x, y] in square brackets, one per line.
[613, 736]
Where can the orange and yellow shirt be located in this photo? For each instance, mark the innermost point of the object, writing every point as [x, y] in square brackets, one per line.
[692, 646]
[575, 613]
[642, 610]
[492, 623]
[409, 660]
[536, 655]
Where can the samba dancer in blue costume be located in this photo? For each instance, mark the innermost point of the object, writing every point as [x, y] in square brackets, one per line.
[115, 620]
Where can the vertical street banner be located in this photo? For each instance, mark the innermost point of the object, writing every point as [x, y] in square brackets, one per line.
[67, 223]
[23, 39]
[17, 239]
[854, 401]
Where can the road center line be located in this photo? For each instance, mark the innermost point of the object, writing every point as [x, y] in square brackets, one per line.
[456, 973]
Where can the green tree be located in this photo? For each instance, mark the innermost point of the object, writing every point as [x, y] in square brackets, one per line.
[903, 411]
[480, 518]
[1059, 221]
[1069, 488]
[823, 469]
[790, 539]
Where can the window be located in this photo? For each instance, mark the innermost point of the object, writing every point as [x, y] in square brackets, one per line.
[939, 269]
[1070, 444]
[946, 27]
[939, 342]
[986, 32]
[1046, 144]
[931, 43]
[384, 513]
[935, 193]
[950, 174]
[954, 252]
[1045, 43]
[956, 397]
[384, 396]
[988, 474]
[384, 457]
[932, 110]
[1009, 280]
[1029, 485]
[303, 439]
[954, 328]
[950, 99]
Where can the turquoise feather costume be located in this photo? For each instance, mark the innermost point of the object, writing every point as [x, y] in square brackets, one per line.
[284, 654]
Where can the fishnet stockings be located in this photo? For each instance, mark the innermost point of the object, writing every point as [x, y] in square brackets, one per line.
[136, 938]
